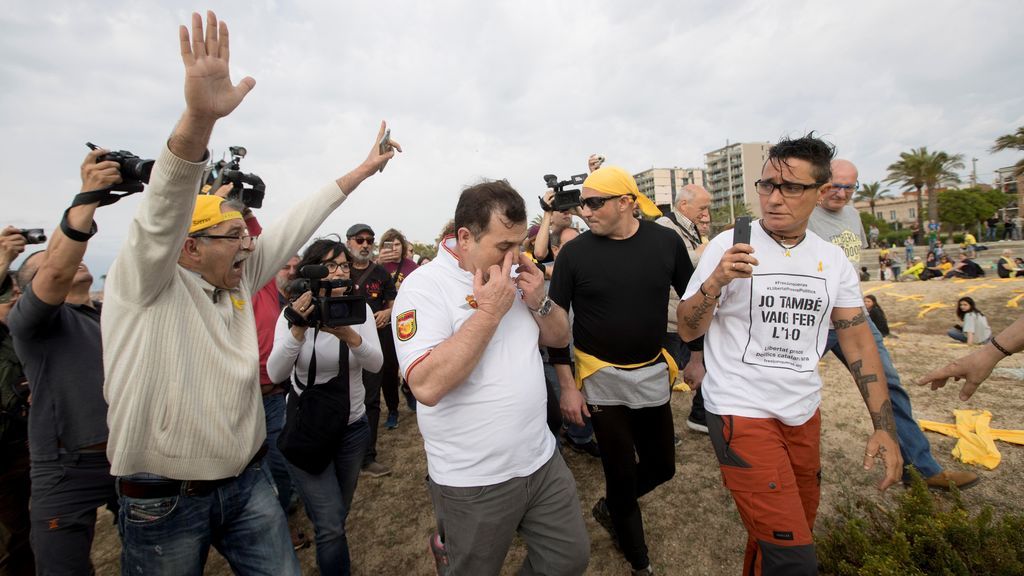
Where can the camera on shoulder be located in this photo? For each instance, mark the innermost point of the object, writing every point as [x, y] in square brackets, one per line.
[328, 310]
[230, 172]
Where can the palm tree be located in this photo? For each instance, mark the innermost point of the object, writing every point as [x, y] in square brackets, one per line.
[1013, 141]
[872, 194]
[919, 169]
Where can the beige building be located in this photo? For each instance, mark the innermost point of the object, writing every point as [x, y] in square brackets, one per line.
[660, 184]
[732, 171]
[899, 211]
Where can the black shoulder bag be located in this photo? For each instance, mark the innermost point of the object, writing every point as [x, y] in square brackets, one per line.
[317, 418]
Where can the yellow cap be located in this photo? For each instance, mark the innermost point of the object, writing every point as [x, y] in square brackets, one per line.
[207, 213]
[615, 181]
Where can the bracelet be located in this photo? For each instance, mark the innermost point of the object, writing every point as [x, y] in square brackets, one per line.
[1000, 348]
[76, 235]
[708, 296]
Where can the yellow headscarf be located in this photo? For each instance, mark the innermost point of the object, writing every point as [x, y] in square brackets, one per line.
[207, 213]
[615, 181]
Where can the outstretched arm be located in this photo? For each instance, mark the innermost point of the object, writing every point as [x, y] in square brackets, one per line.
[976, 367]
[859, 348]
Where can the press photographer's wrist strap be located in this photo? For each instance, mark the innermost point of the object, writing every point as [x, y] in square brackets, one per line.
[76, 235]
[104, 196]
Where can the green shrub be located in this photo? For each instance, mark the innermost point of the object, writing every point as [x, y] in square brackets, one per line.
[925, 535]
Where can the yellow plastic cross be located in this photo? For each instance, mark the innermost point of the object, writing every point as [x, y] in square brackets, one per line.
[909, 297]
[875, 288]
[1012, 303]
[974, 289]
[926, 308]
[896, 324]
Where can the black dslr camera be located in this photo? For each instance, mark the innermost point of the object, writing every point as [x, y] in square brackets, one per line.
[328, 310]
[135, 171]
[33, 235]
[229, 171]
[564, 199]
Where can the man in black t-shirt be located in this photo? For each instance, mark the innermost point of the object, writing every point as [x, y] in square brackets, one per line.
[375, 284]
[617, 277]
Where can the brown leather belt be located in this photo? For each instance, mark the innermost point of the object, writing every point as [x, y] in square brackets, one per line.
[160, 488]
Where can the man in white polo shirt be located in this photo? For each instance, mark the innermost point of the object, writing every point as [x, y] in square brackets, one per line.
[466, 333]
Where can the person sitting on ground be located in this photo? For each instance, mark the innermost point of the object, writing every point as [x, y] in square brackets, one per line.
[965, 268]
[864, 276]
[876, 314]
[937, 269]
[1007, 267]
[914, 270]
[975, 329]
[327, 496]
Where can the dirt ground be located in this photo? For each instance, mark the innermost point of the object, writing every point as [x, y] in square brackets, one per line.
[691, 523]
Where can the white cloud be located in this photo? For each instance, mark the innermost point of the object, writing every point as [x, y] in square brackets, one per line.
[498, 89]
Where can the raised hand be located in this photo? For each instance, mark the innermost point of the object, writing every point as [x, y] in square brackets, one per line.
[12, 243]
[209, 93]
[495, 294]
[99, 175]
[375, 160]
[530, 282]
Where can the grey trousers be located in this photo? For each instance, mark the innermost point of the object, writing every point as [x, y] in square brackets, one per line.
[477, 524]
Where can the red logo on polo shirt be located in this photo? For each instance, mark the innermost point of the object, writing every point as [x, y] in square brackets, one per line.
[406, 323]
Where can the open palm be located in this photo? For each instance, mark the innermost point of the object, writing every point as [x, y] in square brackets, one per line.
[208, 89]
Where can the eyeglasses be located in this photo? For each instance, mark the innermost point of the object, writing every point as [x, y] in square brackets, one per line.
[333, 266]
[247, 241]
[362, 240]
[597, 202]
[788, 189]
[846, 187]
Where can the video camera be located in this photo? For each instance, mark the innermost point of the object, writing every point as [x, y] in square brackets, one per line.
[328, 310]
[229, 171]
[135, 171]
[564, 199]
[33, 235]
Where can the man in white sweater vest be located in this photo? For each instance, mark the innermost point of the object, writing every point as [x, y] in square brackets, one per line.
[186, 418]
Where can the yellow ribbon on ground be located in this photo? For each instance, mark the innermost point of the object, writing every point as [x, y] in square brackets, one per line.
[587, 365]
[976, 444]
[615, 181]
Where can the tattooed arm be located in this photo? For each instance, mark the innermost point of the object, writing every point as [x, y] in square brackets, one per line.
[693, 315]
[858, 346]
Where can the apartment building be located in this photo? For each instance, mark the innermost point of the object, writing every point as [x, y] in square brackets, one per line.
[731, 172]
[661, 184]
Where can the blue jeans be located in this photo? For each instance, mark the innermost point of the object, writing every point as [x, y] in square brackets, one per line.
[241, 519]
[913, 444]
[577, 434]
[328, 498]
[274, 408]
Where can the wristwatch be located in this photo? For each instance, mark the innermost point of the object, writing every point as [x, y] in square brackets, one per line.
[545, 307]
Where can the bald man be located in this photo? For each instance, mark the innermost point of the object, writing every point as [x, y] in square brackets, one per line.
[690, 218]
[835, 220]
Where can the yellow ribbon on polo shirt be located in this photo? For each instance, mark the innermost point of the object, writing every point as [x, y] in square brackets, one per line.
[207, 213]
[587, 365]
[615, 181]
[976, 444]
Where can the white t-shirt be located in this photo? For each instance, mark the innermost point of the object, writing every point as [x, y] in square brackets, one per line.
[493, 426]
[367, 356]
[768, 333]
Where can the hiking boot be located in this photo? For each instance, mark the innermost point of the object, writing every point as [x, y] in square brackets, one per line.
[375, 470]
[697, 423]
[676, 440]
[604, 518]
[648, 571]
[392, 421]
[440, 555]
[588, 447]
[960, 478]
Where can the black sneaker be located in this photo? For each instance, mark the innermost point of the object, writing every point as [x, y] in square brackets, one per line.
[697, 424]
[604, 518]
[588, 447]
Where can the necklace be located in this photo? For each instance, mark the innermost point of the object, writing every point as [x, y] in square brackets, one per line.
[784, 241]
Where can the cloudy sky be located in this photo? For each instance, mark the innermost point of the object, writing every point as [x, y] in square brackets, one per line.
[497, 89]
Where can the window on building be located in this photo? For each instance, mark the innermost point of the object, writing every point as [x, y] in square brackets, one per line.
[913, 213]
[892, 215]
[879, 216]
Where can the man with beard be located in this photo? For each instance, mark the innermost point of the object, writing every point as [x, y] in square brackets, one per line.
[372, 281]
[617, 277]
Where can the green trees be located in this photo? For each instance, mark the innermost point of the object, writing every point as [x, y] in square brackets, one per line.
[872, 194]
[968, 206]
[1013, 141]
[920, 169]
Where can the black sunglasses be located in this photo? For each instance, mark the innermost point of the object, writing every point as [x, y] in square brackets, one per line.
[596, 202]
[362, 240]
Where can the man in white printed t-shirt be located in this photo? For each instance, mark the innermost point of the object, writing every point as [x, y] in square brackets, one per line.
[764, 310]
[466, 333]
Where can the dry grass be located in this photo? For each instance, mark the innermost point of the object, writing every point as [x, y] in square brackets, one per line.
[691, 523]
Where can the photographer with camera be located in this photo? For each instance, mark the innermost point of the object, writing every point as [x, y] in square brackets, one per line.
[187, 428]
[56, 331]
[340, 362]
